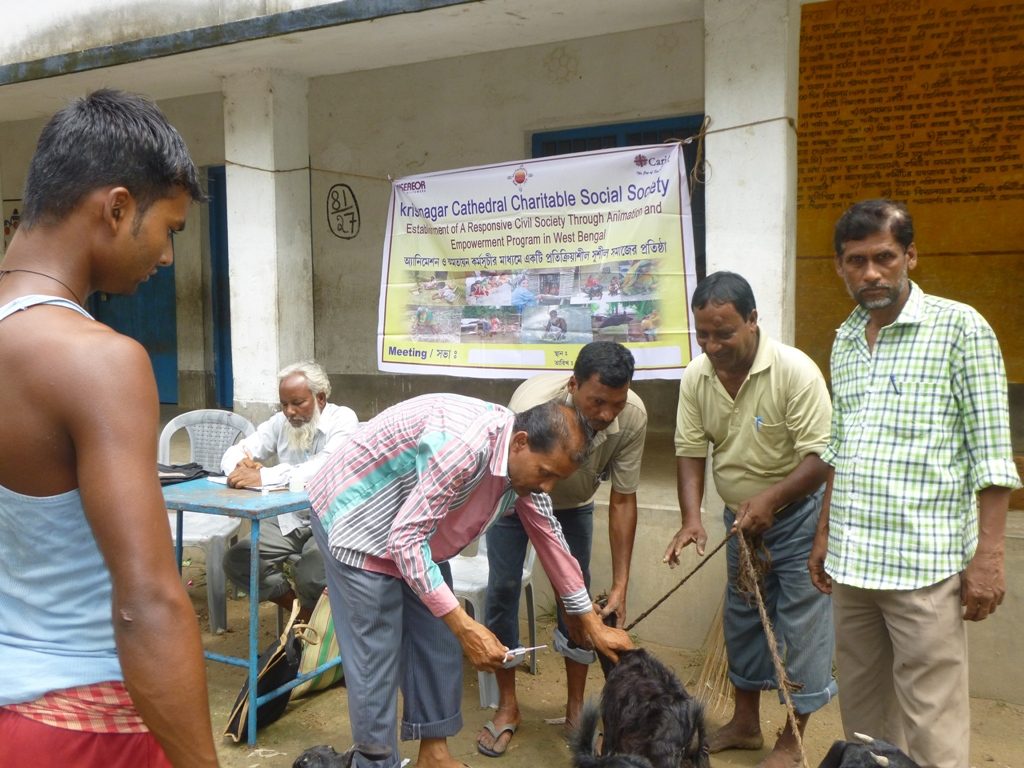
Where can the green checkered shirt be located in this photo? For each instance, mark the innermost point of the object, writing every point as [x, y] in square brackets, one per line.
[920, 424]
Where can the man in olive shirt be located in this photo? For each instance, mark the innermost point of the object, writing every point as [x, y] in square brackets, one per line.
[764, 409]
[599, 388]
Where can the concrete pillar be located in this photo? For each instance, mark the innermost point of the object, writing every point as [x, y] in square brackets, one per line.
[751, 56]
[266, 147]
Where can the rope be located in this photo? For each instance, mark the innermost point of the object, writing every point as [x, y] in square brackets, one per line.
[309, 168]
[698, 174]
[686, 578]
[746, 564]
[701, 171]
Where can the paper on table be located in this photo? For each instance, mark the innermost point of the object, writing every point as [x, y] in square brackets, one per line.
[222, 480]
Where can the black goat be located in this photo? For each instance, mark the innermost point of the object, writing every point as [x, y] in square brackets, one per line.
[866, 753]
[649, 719]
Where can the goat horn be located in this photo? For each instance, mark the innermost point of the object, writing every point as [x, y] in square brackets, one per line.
[866, 739]
[880, 760]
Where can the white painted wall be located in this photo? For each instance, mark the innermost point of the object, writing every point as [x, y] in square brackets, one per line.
[199, 120]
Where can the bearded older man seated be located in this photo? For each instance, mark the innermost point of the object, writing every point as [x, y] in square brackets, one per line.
[291, 444]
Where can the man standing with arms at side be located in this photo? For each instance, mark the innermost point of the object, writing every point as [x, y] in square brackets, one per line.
[922, 460]
[599, 389]
[764, 408]
[297, 441]
[99, 645]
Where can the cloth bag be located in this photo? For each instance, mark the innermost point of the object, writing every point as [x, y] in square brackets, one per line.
[319, 645]
[277, 665]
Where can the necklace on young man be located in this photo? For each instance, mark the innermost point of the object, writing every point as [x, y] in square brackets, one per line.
[4, 272]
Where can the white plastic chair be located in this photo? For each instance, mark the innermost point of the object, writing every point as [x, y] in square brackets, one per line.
[469, 582]
[210, 433]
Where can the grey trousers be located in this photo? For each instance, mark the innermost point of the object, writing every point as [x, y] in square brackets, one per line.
[275, 550]
[390, 640]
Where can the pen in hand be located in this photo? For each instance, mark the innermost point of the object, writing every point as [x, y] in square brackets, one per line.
[249, 461]
[515, 656]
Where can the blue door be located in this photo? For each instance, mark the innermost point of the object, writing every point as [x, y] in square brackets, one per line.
[220, 299]
[148, 317]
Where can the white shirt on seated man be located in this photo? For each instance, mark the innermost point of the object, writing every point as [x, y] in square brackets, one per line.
[292, 444]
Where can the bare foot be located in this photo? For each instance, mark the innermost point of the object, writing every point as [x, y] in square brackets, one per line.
[450, 762]
[434, 754]
[733, 735]
[572, 716]
[780, 757]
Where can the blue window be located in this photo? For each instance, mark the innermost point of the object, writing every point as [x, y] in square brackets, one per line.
[566, 142]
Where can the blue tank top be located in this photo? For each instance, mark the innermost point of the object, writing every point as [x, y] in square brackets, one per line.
[55, 592]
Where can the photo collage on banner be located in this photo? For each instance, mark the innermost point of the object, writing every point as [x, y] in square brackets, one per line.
[503, 271]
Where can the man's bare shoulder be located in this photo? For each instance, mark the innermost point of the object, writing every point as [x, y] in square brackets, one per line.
[53, 341]
[69, 384]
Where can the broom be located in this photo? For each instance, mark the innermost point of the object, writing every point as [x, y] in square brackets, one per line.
[714, 688]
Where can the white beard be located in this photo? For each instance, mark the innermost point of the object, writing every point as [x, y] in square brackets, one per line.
[301, 438]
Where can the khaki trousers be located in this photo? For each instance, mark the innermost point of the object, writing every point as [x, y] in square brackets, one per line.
[902, 669]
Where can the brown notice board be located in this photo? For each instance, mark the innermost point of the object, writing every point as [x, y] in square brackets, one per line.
[920, 101]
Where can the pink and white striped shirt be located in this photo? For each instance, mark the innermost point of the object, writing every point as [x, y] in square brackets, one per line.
[415, 485]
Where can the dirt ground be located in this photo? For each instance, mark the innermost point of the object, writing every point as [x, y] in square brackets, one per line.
[997, 733]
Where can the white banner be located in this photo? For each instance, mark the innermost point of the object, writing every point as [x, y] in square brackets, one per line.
[506, 270]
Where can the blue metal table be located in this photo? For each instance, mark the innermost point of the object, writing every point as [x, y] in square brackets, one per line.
[207, 497]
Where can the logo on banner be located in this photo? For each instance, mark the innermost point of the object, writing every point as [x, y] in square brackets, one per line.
[519, 177]
[412, 186]
[647, 165]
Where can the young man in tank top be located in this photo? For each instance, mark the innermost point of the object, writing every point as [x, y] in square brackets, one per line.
[98, 640]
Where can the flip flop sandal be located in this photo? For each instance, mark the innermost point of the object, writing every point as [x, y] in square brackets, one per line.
[496, 733]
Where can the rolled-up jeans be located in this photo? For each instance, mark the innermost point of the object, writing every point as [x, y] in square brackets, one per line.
[506, 552]
[801, 616]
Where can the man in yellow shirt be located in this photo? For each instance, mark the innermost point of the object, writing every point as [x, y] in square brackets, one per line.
[764, 409]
